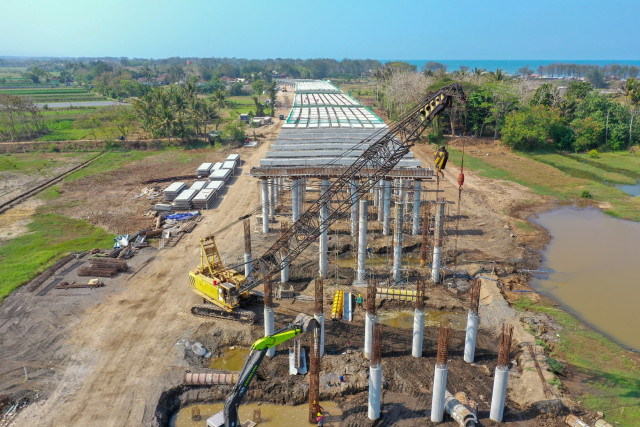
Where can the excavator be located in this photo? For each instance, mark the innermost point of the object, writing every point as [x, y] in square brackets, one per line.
[225, 291]
[228, 417]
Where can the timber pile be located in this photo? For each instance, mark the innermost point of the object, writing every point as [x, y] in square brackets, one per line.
[92, 284]
[119, 264]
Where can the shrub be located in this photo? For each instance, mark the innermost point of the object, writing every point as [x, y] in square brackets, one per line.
[586, 195]
[594, 154]
[556, 366]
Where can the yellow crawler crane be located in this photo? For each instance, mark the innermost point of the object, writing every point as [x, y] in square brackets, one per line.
[217, 285]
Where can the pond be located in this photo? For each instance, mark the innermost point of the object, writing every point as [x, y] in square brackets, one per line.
[592, 267]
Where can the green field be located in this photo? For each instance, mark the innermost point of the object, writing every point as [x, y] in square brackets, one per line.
[48, 94]
[241, 105]
[34, 163]
[50, 238]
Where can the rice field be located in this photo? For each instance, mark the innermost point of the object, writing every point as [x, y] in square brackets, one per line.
[49, 94]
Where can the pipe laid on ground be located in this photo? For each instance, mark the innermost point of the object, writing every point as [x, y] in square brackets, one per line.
[471, 337]
[602, 423]
[499, 393]
[439, 389]
[458, 411]
[375, 391]
[209, 378]
[418, 333]
[574, 421]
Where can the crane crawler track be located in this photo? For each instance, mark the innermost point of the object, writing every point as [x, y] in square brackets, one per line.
[209, 310]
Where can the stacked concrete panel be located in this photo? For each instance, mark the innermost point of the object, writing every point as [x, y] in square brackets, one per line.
[198, 185]
[173, 190]
[184, 199]
[204, 169]
[220, 175]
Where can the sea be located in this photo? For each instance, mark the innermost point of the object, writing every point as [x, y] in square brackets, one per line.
[510, 66]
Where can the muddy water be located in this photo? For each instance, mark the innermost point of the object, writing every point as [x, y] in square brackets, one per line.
[592, 259]
[271, 415]
[404, 318]
[232, 359]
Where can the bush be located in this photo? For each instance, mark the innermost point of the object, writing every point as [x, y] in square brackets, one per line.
[594, 154]
[586, 195]
[556, 366]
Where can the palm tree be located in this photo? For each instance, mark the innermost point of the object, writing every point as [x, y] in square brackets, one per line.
[219, 99]
[630, 91]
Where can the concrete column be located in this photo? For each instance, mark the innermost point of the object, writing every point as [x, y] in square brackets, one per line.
[386, 207]
[324, 213]
[284, 273]
[272, 198]
[353, 186]
[265, 205]
[362, 245]
[499, 393]
[248, 264]
[295, 202]
[417, 189]
[269, 327]
[418, 333]
[439, 388]
[376, 192]
[347, 307]
[397, 248]
[380, 200]
[375, 391]
[302, 192]
[320, 319]
[437, 246]
[369, 323]
[470, 339]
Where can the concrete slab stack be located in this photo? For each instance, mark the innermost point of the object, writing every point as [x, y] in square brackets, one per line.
[204, 169]
[173, 190]
[184, 199]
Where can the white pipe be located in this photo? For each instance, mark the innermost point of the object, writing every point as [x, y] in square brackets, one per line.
[439, 388]
[437, 248]
[397, 248]
[370, 322]
[247, 265]
[269, 327]
[347, 312]
[499, 393]
[386, 207]
[265, 206]
[353, 187]
[375, 391]
[362, 245]
[320, 319]
[458, 411]
[418, 333]
[272, 197]
[470, 338]
[417, 189]
[324, 213]
[295, 203]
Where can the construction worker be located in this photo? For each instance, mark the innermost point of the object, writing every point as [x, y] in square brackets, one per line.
[320, 419]
[317, 407]
[359, 300]
[369, 251]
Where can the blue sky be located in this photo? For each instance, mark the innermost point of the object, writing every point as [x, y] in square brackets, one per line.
[427, 29]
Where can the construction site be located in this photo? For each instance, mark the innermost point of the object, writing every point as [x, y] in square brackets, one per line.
[338, 273]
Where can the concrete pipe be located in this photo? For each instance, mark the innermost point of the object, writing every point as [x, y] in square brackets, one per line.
[209, 378]
[459, 411]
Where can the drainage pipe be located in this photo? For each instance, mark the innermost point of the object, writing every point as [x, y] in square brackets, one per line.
[375, 391]
[439, 388]
[418, 333]
[499, 393]
[574, 421]
[470, 338]
[458, 411]
[209, 378]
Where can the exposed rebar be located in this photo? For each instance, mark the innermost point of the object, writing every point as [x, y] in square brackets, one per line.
[421, 288]
[376, 351]
[475, 295]
[371, 297]
[268, 291]
[443, 344]
[314, 380]
[318, 306]
[505, 346]
[424, 247]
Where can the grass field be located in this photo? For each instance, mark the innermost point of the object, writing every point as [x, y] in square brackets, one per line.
[50, 238]
[612, 374]
[539, 173]
[33, 163]
[48, 94]
[241, 105]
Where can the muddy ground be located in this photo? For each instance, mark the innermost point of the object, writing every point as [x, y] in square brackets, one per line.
[115, 355]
